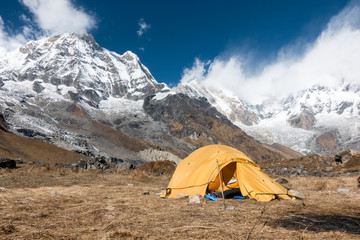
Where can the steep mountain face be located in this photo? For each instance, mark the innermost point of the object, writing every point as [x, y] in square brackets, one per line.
[76, 68]
[319, 119]
[194, 120]
[68, 91]
[59, 89]
[224, 100]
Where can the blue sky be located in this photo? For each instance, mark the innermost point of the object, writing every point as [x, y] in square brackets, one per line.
[206, 29]
[181, 31]
[180, 39]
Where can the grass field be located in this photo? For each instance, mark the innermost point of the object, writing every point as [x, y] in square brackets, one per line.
[55, 203]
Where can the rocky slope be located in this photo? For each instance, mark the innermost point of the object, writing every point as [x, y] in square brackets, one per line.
[68, 91]
[195, 121]
[33, 150]
[54, 89]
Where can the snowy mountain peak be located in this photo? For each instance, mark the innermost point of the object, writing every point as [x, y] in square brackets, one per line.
[130, 56]
[69, 43]
[225, 101]
[342, 100]
[59, 88]
[79, 68]
[300, 121]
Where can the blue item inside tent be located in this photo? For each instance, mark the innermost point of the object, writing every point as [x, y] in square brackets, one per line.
[210, 197]
[240, 197]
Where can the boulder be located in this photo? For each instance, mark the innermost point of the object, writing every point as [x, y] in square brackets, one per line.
[129, 164]
[297, 194]
[196, 198]
[97, 163]
[116, 160]
[40, 162]
[19, 161]
[80, 164]
[7, 163]
[125, 165]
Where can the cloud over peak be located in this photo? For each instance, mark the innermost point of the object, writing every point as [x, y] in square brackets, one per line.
[47, 18]
[59, 16]
[331, 58]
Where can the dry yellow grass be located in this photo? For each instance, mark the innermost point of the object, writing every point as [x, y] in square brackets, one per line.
[111, 205]
[320, 185]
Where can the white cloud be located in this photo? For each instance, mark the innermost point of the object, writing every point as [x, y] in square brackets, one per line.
[49, 17]
[59, 16]
[9, 42]
[197, 72]
[334, 56]
[143, 27]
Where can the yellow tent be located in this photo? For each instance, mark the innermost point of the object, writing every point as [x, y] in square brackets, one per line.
[199, 173]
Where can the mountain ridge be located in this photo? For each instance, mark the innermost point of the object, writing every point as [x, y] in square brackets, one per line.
[301, 122]
[68, 91]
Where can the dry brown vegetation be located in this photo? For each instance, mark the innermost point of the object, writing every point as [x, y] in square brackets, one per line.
[30, 149]
[55, 203]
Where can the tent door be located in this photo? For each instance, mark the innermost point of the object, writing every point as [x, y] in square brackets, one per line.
[227, 173]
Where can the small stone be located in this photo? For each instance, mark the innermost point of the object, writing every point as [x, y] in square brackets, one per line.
[146, 193]
[329, 169]
[19, 161]
[40, 162]
[54, 193]
[130, 185]
[195, 198]
[161, 194]
[181, 195]
[296, 194]
[343, 190]
[282, 181]
[2, 189]
[229, 208]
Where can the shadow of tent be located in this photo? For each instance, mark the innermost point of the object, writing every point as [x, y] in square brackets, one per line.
[319, 223]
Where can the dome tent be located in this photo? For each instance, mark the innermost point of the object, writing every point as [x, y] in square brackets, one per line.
[199, 173]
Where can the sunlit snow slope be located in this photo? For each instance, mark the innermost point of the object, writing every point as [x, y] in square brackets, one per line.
[319, 119]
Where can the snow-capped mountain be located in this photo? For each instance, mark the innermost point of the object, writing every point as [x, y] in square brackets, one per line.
[69, 91]
[55, 88]
[319, 119]
[77, 67]
[235, 109]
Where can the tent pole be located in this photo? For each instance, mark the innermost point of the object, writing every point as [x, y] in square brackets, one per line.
[221, 183]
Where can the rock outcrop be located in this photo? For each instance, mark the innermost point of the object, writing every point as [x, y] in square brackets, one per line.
[198, 122]
[7, 163]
